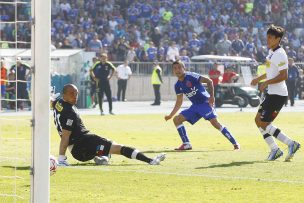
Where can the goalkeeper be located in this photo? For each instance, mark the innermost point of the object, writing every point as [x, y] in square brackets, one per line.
[83, 145]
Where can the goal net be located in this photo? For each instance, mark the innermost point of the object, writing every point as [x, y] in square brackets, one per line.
[24, 101]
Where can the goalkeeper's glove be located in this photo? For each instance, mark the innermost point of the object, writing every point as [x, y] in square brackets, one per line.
[62, 160]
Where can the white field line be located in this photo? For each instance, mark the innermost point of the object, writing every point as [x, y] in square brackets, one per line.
[11, 177]
[11, 195]
[189, 174]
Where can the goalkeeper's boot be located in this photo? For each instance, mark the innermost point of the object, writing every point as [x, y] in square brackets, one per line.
[101, 160]
[292, 149]
[158, 159]
[275, 154]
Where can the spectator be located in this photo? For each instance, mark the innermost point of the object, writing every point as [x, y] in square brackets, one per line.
[250, 49]
[214, 75]
[123, 74]
[173, 52]
[121, 49]
[194, 44]
[223, 47]
[230, 76]
[152, 52]
[23, 72]
[237, 46]
[3, 79]
[11, 89]
[66, 44]
[131, 55]
[95, 45]
[156, 36]
[184, 58]
[65, 7]
[77, 43]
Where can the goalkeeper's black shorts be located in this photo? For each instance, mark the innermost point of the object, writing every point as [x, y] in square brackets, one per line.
[89, 146]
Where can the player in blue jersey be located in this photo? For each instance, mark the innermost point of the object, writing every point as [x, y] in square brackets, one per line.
[190, 84]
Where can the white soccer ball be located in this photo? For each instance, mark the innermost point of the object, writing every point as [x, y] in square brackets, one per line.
[53, 165]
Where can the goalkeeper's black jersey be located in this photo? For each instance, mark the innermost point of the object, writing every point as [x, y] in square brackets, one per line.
[66, 117]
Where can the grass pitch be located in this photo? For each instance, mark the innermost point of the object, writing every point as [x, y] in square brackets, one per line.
[211, 172]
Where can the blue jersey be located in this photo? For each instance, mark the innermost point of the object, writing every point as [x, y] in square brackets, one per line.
[192, 88]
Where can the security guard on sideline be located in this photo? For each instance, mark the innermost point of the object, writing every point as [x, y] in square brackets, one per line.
[156, 81]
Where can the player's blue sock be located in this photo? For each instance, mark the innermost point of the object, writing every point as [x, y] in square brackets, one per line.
[182, 133]
[228, 135]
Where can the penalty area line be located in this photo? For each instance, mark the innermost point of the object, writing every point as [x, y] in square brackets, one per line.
[189, 175]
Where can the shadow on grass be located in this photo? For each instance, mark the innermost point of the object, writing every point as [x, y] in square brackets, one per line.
[237, 163]
[110, 164]
[21, 168]
[183, 151]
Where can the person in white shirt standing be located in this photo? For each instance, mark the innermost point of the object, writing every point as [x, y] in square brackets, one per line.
[276, 74]
[123, 74]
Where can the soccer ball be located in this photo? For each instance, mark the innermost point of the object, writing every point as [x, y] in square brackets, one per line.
[53, 165]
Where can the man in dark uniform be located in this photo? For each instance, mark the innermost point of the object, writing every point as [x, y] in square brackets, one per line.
[93, 86]
[293, 76]
[102, 72]
[83, 145]
[22, 71]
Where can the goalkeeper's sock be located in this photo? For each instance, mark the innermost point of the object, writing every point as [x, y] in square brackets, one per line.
[183, 134]
[132, 153]
[228, 135]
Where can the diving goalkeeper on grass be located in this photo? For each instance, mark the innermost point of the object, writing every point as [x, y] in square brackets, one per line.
[83, 145]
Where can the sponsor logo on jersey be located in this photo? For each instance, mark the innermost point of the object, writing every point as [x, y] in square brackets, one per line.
[69, 122]
[189, 84]
[267, 63]
[192, 93]
[282, 64]
[59, 106]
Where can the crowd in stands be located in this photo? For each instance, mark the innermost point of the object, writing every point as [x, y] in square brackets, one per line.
[163, 30]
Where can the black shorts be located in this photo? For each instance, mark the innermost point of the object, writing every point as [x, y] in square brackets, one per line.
[271, 106]
[89, 146]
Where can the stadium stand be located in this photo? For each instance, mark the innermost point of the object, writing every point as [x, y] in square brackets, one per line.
[233, 27]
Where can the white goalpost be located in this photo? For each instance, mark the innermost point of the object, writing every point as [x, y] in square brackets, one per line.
[41, 39]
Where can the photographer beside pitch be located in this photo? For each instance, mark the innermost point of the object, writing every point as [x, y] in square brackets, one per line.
[83, 145]
[276, 74]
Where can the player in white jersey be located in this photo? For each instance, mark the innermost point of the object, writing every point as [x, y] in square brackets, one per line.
[276, 74]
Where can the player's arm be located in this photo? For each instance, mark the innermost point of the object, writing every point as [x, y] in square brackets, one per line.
[178, 104]
[283, 75]
[113, 70]
[258, 79]
[210, 86]
[92, 72]
[64, 143]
